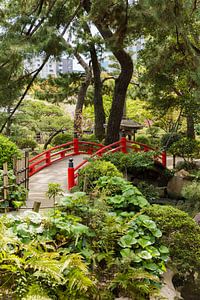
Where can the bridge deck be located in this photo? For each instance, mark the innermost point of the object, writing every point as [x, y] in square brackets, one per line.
[56, 173]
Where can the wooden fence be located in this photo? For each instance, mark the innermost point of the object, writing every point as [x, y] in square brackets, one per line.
[21, 173]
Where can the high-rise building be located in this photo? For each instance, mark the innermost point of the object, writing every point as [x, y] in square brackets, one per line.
[52, 67]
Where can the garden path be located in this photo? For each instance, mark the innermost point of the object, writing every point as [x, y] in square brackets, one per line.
[38, 184]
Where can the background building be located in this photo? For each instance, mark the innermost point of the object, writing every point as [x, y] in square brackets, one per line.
[52, 67]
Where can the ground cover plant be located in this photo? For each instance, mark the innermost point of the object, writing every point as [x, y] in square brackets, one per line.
[89, 247]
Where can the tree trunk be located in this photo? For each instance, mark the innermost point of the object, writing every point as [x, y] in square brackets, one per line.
[98, 101]
[51, 137]
[190, 126]
[122, 82]
[119, 97]
[78, 118]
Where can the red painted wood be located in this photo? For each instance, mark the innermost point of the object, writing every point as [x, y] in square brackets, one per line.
[60, 152]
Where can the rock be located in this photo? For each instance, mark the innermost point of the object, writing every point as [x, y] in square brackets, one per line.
[167, 291]
[197, 218]
[182, 173]
[175, 186]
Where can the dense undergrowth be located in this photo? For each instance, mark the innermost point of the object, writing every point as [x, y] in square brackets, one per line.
[91, 247]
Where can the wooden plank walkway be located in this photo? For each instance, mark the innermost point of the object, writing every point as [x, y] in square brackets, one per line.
[56, 173]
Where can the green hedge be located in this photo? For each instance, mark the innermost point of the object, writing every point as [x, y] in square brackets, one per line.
[8, 150]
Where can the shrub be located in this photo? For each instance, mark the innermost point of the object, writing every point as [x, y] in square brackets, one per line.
[143, 139]
[191, 193]
[17, 193]
[90, 174]
[186, 165]
[89, 138]
[8, 150]
[62, 138]
[168, 139]
[132, 162]
[27, 143]
[148, 190]
[153, 131]
[185, 148]
[181, 234]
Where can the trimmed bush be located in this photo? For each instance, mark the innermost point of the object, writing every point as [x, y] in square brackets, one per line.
[27, 143]
[8, 150]
[132, 162]
[93, 171]
[181, 235]
[62, 138]
[143, 139]
[185, 148]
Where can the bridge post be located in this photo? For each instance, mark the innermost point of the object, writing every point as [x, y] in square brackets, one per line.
[123, 144]
[76, 144]
[164, 158]
[71, 181]
[48, 158]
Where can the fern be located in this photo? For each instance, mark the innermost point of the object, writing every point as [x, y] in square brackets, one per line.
[135, 283]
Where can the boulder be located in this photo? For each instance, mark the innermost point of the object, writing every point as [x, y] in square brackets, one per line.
[167, 291]
[177, 183]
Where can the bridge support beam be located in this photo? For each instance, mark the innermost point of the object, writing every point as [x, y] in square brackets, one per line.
[71, 180]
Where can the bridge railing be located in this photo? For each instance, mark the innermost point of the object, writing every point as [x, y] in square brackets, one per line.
[77, 147]
[57, 153]
[123, 145]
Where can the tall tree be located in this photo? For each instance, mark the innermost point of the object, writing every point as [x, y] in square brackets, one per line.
[38, 27]
[111, 19]
[171, 55]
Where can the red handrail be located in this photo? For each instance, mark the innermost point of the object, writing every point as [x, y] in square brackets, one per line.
[76, 147]
[50, 156]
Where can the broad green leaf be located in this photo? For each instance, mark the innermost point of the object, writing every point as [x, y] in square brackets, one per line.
[151, 266]
[164, 249]
[154, 252]
[143, 242]
[156, 232]
[127, 241]
[129, 255]
[144, 254]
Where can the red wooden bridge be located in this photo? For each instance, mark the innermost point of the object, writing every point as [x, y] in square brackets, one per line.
[49, 159]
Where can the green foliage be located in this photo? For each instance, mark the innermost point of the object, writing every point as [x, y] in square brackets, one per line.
[7, 151]
[186, 165]
[148, 190]
[90, 138]
[131, 162]
[36, 116]
[191, 193]
[17, 193]
[181, 234]
[90, 174]
[123, 195]
[186, 148]
[169, 138]
[26, 143]
[143, 139]
[120, 240]
[54, 189]
[88, 247]
[62, 138]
